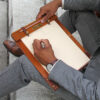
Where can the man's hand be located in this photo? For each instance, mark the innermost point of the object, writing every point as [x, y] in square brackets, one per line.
[49, 10]
[44, 55]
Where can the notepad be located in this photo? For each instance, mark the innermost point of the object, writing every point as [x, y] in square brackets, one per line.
[64, 45]
[64, 48]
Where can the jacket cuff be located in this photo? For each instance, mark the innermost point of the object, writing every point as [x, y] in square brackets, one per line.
[58, 69]
[59, 72]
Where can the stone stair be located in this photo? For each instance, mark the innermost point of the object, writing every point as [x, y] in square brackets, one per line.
[3, 36]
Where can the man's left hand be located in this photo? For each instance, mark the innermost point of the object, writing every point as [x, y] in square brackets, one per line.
[44, 55]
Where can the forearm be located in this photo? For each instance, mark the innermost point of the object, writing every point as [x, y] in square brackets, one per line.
[82, 5]
[74, 82]
[58, 2]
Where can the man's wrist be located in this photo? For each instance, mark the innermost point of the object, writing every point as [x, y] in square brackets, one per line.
[58, 2]
[53, 62]
[51, 66]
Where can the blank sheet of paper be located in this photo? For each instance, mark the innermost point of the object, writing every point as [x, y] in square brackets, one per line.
[64, 48]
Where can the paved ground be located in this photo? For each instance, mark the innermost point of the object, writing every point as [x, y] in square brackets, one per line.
[3, 33]
[3, 36]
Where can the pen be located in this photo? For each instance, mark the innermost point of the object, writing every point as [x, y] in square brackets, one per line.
[43, 45]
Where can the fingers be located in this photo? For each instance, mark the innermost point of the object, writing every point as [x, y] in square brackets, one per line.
[37, 43]
[45, 14]
[41, 14]
[46, 42]
[46, 17]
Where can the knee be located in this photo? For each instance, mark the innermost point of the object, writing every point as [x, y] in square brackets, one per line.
[68, 20]
[25, 64]
[67, 15]
[85, 15]
[24, 69]
[23, 60]
[73, 15]
[28, 68]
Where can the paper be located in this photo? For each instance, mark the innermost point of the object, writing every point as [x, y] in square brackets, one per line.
[64, 48]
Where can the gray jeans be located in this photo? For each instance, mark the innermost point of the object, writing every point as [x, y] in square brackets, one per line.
[21, 72]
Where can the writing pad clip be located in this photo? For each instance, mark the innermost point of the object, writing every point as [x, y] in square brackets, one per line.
[25, 31]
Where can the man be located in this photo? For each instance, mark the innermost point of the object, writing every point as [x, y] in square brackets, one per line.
[84, 86]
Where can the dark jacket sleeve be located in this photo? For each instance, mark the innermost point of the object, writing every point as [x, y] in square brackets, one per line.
[82, 5]
[73, 81]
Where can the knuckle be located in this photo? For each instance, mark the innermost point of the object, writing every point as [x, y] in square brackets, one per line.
[46, 39]
[45, 18]
[47, 46]
[52, 13]
[41, 8]
[35, 53]
[35, 40]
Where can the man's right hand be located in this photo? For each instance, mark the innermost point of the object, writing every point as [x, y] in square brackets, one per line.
[49, 10]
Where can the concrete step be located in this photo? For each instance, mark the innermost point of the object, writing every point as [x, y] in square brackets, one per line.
[3, 36]
[3, 33]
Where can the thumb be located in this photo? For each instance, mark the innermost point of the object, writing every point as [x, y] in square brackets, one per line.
[46, 17]
[41, 14]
